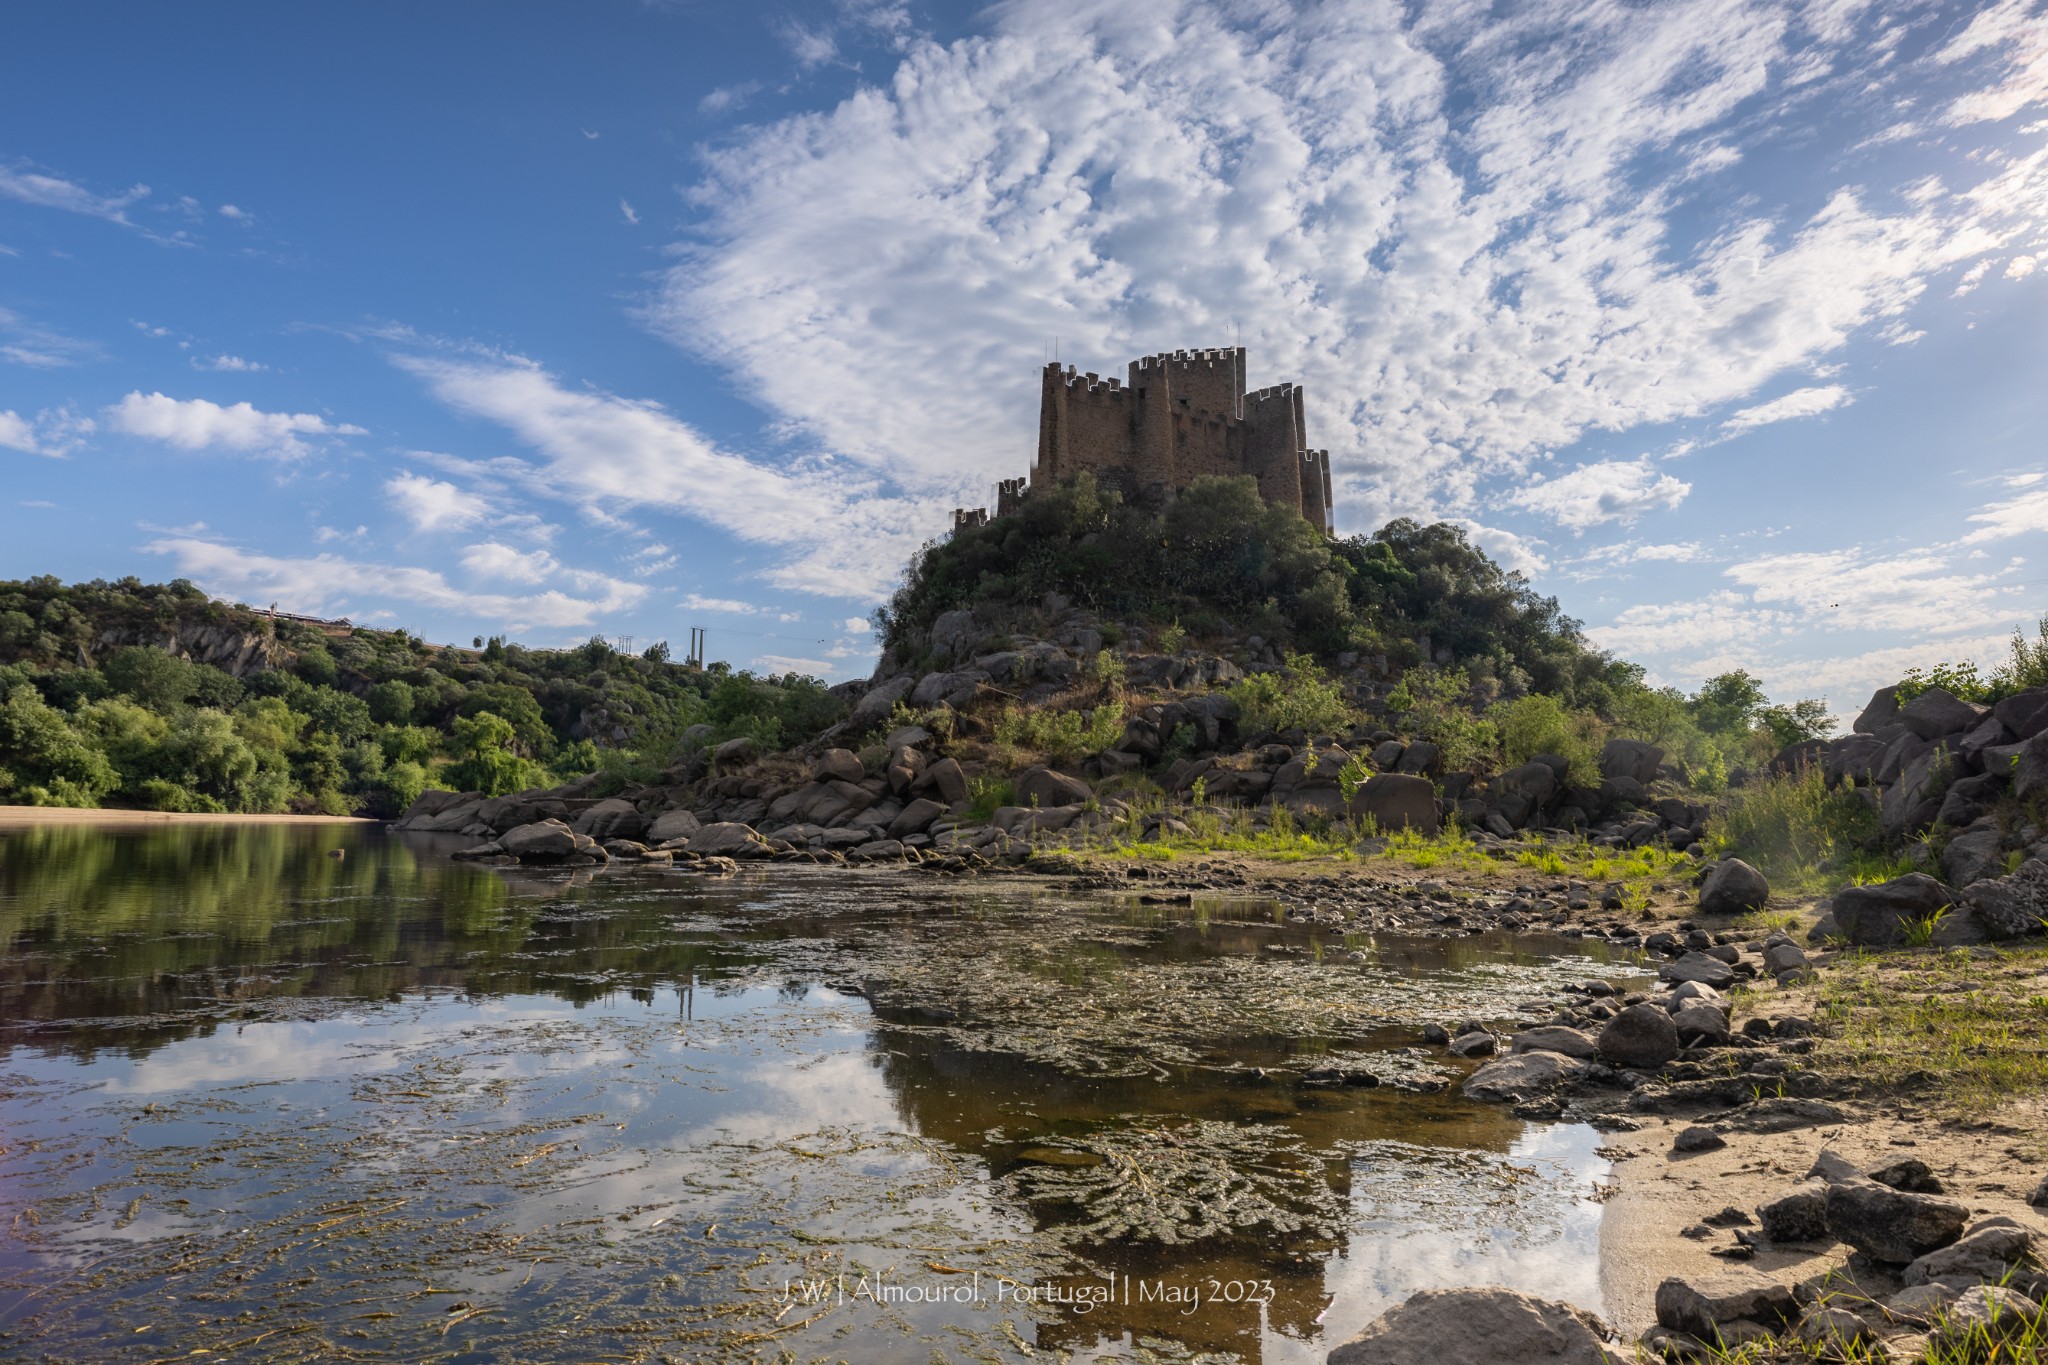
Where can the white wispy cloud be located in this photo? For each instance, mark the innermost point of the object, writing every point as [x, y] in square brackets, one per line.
[1609, 490]
[24, 341]
[198, 424]
[55, 192]
[629, 213]
[2012, 517]
[231, 364]
[1809, 402]
[846, 535]
[54, 432]
[698, 602]
[327, 583]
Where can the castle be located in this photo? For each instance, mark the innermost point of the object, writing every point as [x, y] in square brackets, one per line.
[1179, 416]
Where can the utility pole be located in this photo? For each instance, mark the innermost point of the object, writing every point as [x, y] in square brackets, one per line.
[696, 655]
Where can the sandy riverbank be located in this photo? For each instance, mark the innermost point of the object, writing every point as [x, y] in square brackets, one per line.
[70, 815]
[1986, 1163]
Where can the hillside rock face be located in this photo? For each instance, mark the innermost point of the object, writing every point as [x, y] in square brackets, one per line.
[231, 650]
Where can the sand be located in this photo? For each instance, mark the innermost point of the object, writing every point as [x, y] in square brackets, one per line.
[68, 815]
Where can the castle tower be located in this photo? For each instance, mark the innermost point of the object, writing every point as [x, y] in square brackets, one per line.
[1180, 415]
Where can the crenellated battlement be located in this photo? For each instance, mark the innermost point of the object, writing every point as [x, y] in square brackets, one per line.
[1179, 416]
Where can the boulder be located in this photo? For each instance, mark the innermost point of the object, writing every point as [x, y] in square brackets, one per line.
[1477, 1043]
[838, 765]
[1853, 759]
[1780, 958]
[953, 634]
[1839, 1332]
[672, 824]
[1733, 887]
[1397, 801]
[1045, 788]
[1524, 1076]
[1683, 1308]
[1422, 759]
[1997, 1254]
[545, 841]
[1879, 712]
[1535, 780]
[2011, 906]
[729, 839]
[2030, 767]
[876, 703]
[1890, 1225]
[1700, 1024]
[1801, 1216]
[733, 753]
[1975, 855]
[916, 818]
[1884, 914]
[948, 689]
[1555, 1038]
[1496, 1326]
[877, 851]
[1640, 1038]
[945, 779]
[1698, 1139]
[1988, 1316]
[1910, 803]
[2024, 713]
[1707, 971]
[1938, 713]
[1634, 759]
[611, 819]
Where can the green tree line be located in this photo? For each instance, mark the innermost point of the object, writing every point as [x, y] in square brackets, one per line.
[346, 723]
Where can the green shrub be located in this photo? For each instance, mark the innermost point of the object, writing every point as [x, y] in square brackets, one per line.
[1535, 725]
[1063, 736]
[1795, 829]
[1300, 697]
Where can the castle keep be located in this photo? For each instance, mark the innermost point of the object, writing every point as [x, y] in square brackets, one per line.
[1177, 417]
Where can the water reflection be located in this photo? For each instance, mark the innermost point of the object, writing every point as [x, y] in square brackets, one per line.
[326, 1101]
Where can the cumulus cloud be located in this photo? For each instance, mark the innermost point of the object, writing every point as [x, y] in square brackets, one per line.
[1516, 554]
[435, 504]
[1459, 227]
[197, 424]
[1610, 490]
[493, 560]
[227, 363]
[698, 602]
[1798, 403]
[329, 584]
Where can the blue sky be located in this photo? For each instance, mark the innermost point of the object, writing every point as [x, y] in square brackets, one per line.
[1726, 322]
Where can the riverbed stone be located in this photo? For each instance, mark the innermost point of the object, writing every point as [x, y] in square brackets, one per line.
[1044, 788]
[1890, 1225]
[1497, 1326]
[1640, 1038]
[1555, 1038]
[1988, 1313]
[1883, 915]
[1701, 967]
[1683, 1308]
[1732, 888]
[1799, 1216]
[1997, 1253]
[672, 824]
[728, 839]
[838, 765]
[544, 841]
[1524, 1076]
[1398, 801]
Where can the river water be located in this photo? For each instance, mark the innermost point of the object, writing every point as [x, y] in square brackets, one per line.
[275, 1104]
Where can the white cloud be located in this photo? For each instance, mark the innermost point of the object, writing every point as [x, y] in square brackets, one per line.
[1611, 490]
[26, 342]
[727, 97]
[55, 432]
[697, 602]
[492, 560]
[1809, 402]
[629, 213]
[227, 363]
[1905, 591]
[855, 625]
[2015, 32]
[2015, 516]
[1516, 554]
[435, 504]
[2020, 267]
[326, 584]
[1470, 232]
[233, 214]
[600, 451]
[329, 535]
[53, 192]
[197, 424]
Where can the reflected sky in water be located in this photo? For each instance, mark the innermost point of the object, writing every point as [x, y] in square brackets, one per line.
[280, 1105]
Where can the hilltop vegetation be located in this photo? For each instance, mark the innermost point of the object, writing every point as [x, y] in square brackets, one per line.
[95, 710]
[1490, 669]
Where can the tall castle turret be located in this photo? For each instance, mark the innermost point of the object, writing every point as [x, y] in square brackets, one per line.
[1175, 418]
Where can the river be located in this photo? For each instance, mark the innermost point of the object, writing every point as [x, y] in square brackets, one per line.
[319, 1092]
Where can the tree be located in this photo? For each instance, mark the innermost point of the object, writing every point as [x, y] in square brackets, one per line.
[391, 702]
[43, 761]
[157, 679]
[484, 760]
